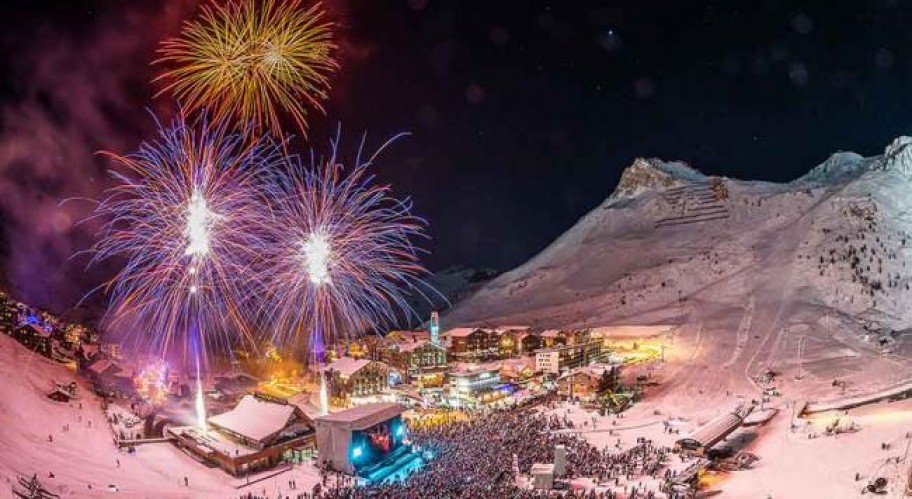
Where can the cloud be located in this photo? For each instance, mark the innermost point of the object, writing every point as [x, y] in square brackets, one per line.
[75, 94]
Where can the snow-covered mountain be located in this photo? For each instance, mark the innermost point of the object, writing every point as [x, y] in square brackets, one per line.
[440, 290]
[825, 254]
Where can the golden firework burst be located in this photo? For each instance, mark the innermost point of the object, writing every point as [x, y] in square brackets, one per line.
[249, 60]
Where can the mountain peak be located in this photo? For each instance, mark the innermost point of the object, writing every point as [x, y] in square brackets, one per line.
[842, 165]
[898, 155]
[653, 174]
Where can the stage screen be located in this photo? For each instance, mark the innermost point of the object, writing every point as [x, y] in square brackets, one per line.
[373, 444]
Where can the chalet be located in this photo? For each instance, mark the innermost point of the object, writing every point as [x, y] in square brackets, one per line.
[519, 370]
[63, 392]
[559, 359]
[583, 383]
[408, 336]
[528, 343]
[110, 380]
[420, 361]
[348, 378]
[63, 352]
[552, 338]
[253, 436]
[9, 315]
[512, 329]
[371, 347]
[35, 337]
[473, 344]
[578, 336]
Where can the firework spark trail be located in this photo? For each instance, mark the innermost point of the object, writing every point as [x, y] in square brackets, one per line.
[187, 216]
[248, 59]
[340, 259]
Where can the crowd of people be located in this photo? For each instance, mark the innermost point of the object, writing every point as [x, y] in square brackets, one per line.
[486, 456]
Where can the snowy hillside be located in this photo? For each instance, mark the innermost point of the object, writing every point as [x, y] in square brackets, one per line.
[71, 448]
[444, 288]
[822, 257]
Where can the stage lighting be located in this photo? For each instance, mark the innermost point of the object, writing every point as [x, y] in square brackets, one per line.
[357, 451]
[400, 431]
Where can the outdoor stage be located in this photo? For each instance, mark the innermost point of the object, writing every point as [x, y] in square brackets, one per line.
[369, 441]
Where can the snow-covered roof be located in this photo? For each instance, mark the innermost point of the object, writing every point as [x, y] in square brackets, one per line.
[593, 371]
[715, 429]
[461, 332]
[363, 416]
[254, 418]
[67, 394]
[212, 441]
[507, 329]
[303, 401]
[101, 365]
[410, 347]
[519, 362]
[347, 366]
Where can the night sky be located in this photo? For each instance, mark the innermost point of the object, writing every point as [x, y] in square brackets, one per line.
[523, 113]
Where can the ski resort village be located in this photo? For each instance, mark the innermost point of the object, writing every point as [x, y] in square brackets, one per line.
[429, 249]
[691, 336]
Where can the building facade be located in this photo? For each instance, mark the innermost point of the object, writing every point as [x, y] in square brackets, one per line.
[257, 434]
[35, 338]
[474, 385]
[529, 343]
[562, 358]
[422, 362]
[473, 344]
[349, 378]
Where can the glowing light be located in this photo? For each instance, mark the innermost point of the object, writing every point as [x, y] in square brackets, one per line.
[185, 215]
[324, 396]
[248, 59]
[400, 431]
[357, 451]
[335, 225]
[317, 253]
[199, 222]
[151, 383]
[200, 406]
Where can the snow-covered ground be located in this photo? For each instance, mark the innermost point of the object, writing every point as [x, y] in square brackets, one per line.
[85, 454]
[791, 464]
[802, 279]
[768, 241]
[807, 278]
